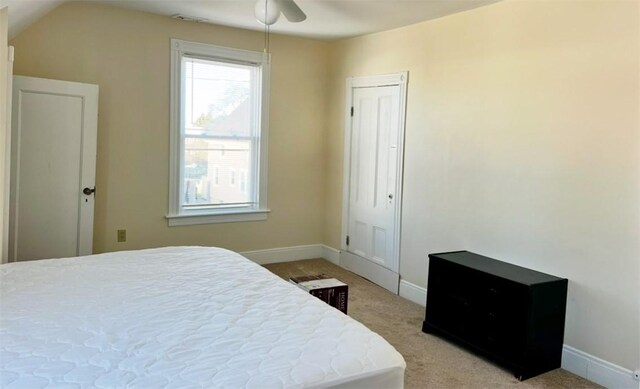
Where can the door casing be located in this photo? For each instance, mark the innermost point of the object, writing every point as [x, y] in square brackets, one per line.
[6, 184]
[375, 273]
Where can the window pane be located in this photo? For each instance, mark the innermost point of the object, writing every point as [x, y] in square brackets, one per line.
[218, 133]
[217, 97]
[211, 171]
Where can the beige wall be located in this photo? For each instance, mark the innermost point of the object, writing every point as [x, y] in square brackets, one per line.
[521, 143]
[127, 53]
[4, 24]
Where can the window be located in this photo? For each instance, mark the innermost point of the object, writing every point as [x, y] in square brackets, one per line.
[219, 106]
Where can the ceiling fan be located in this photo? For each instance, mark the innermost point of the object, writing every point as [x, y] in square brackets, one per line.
[268, 11]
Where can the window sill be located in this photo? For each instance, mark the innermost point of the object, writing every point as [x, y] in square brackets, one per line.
[218, 217]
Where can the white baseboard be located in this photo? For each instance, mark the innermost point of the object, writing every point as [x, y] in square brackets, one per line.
[330, 254]
[413, 292]
[294, 253]
[597, 370]
[371, 271]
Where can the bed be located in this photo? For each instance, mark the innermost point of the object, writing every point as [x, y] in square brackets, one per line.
[178, 317]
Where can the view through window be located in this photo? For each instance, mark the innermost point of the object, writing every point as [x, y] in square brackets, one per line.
[219, 115]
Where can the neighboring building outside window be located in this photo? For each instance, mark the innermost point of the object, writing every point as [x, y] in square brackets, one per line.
[218, 163]
[216, 175]
[243, 181]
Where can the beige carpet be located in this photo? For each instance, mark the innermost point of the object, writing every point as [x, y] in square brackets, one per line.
[431, 361]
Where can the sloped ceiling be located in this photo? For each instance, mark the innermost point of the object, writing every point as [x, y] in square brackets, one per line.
[327, 19]
[24, 12]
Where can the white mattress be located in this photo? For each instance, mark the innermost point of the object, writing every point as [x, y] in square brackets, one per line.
[178, 317]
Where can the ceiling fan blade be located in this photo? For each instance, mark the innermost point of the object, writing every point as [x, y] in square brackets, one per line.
[291, 11]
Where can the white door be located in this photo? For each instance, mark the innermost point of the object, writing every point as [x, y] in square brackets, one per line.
[54, 132]
[374, 152]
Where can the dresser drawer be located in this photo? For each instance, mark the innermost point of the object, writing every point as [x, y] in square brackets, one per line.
[477, 308]
[502, 333]
[449, 298]
[452, 311]
[476, 290]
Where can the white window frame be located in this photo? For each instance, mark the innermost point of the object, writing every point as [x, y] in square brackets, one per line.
[178, 216]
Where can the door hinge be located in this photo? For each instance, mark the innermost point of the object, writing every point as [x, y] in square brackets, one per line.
[351, 111]
[347, 240]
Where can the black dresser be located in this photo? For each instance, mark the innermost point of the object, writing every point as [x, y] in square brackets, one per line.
[507, 313]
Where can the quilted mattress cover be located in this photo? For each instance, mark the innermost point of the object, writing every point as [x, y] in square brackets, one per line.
[178, 317]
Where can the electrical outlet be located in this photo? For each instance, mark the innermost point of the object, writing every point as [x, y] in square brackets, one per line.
[122, 235]
[636, 375]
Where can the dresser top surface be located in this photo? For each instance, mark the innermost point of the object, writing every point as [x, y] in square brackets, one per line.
[497, 268]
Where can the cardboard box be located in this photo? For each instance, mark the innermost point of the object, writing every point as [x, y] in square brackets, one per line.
[330, 290]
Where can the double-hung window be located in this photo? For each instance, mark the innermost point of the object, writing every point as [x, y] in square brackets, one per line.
[219, 126]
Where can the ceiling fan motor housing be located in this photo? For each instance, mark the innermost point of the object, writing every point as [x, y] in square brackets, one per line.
[267, 11]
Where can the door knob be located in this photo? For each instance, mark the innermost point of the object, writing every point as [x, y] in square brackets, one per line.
[390, 196]
[89, 191]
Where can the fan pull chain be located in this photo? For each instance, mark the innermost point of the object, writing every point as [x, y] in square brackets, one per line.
[266, 27]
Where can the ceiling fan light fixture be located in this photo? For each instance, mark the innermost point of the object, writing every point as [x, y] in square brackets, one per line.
[267, 11]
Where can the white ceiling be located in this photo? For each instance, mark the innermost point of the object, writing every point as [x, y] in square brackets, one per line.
[326, 19]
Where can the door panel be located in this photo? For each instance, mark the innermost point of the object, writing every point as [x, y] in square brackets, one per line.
[49, 163]
[54, 150]
[373, 169]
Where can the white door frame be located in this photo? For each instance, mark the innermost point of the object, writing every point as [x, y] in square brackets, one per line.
[89, 95]
[396, 79]
[6, 184]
